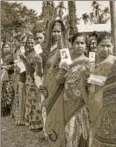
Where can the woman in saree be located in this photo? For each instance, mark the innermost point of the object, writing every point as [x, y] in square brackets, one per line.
[7, 94]
[97, 105]
[75, 95]
[53, 85]
[32, 61]
[18, 108]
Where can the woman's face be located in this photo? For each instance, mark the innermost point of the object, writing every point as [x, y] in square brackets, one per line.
[79, 45]
[105, 47]
[6, 48]
[30, 43]
[39, 38]
[57, 31]
[15, 43]
[93, 44]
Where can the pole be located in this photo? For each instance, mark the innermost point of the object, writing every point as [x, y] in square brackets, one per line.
[113, 22]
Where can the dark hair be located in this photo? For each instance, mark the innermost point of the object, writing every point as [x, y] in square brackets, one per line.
[3, 45]
[40, 31]
[94, 34]
[28, 38]
[78, 35]
[104, 35]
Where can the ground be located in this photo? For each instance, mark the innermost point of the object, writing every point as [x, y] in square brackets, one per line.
[19, 136]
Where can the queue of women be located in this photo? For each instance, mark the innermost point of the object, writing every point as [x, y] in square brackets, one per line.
[64, 102]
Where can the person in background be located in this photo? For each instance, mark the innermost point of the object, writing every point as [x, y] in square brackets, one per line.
[39, 37]
[7, 94]
[18, 108]
[92, 44]
[98, 108]
[32, 61]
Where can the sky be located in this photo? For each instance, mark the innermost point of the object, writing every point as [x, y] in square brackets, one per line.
[81, 6]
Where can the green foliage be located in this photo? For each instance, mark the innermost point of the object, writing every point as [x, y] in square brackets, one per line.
[98, 15]
[16, 17]
[72, 16]
[48, 12]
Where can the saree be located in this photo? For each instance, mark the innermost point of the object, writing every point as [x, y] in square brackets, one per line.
[18, 108]
[33, 114]
[101, 104]
[76, 112]
[53, 103]
[7, 89]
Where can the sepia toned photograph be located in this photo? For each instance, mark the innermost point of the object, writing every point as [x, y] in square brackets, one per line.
[58, 73]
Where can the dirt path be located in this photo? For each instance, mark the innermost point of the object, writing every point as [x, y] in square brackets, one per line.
[19, 136]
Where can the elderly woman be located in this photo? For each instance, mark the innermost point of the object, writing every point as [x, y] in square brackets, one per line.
[100, 135]
[53, 84]
[75, 95]
[7, 94]
[32, 63]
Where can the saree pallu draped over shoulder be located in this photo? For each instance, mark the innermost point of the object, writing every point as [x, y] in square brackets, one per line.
[101, 104]
[76, 112]
[104, 134]
[54, 103]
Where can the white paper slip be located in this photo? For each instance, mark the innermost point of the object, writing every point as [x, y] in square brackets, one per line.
[22, 49]
[96, 80]
[4, 75]
[92, 56]
[21, 66]
[1, 61]
[92, 60]
[38, 49]
[65, 56]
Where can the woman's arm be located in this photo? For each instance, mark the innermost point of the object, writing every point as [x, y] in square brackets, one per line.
[61, 76]
[38, 65]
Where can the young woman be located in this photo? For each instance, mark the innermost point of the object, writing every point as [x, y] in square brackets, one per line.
[32, 63]
[97, 104]
[75, 95]
[7, 94]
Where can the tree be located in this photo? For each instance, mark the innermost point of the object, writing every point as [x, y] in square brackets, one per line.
[72, 16]
[48, 11]
[105, 16]
[15, 17]
[59, 9]
[85, 18]
[96, 10]
[91, 15]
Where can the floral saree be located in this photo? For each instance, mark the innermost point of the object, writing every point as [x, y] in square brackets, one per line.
[101, 104]
[76, 112]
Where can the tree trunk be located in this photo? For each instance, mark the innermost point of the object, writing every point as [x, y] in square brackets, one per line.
[113, 22]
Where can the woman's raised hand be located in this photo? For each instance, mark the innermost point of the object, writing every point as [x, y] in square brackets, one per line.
[38, 58]
[60, 44]
[22, 57]
[64, 65]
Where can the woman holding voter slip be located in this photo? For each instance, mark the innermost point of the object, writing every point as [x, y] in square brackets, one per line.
[97, 102]
[32, 63]
[75, 94]
[53, 85]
